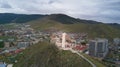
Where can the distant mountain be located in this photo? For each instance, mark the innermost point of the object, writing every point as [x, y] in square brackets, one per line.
[17, 18]
[22, 18]
[65, 19]
[69, 24]
[65, 23]
[115, 25]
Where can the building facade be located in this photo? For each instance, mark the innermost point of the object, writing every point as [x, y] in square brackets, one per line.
[116, 42]
[98, 48]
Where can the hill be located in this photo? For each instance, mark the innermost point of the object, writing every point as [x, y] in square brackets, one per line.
[46, 55]
[65, 23]
[17, 18]
[115, 25]
[23, 18]
[69, 24]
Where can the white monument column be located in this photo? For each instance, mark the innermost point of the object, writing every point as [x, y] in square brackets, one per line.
[63, 40]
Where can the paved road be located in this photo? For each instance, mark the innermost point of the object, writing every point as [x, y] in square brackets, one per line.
[73, 51]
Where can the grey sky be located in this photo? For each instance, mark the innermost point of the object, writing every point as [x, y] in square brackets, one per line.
[107, 11]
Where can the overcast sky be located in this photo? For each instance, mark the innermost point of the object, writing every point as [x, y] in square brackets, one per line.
[107, 11]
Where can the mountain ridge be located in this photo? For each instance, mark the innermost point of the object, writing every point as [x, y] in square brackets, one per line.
[38, 16]
[65, 23]
[12, 17]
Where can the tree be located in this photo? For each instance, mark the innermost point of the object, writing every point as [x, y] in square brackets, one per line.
[1, 44]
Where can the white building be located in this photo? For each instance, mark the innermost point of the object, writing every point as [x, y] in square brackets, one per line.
[10, 65]
[23, 44]
[6, 44]
[63, 40]
[98, 48]
[116, 42]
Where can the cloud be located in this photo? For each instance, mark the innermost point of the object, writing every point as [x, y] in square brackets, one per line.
[99, 10]
[5, 6]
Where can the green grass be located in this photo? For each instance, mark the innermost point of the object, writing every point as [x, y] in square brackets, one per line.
[9, 26]
[97, 62]
[6, 37]
[46, 55]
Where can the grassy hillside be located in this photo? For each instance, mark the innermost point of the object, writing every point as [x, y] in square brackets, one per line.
[93, 30]
[115, 25]
[94, 60]
[46, 55]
